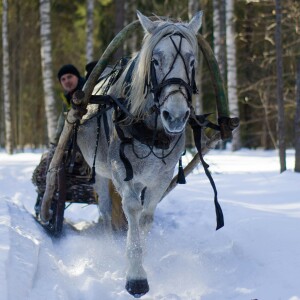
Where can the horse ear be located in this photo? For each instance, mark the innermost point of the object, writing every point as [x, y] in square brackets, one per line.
[147, 24]
[196, 22]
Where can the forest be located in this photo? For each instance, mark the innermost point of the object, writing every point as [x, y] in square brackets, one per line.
[242, 34]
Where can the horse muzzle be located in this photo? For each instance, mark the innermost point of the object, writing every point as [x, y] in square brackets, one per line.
[174, 122]
[174, 111]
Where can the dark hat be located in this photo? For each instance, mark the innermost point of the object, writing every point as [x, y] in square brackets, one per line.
[89, 68]
[67, 69]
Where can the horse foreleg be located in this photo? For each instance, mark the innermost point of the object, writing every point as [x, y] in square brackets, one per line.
[146, 221]
[136, 284]
[104, 202]
[151, 199]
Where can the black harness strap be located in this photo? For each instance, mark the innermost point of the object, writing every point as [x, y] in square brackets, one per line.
[180, 176]
[179, 53]
[92, 179]
[106, 128]
[128, 77]
[143, 195]
[124, 141]
[197, 138]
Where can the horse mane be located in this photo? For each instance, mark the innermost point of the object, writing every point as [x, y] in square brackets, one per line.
[141, 72]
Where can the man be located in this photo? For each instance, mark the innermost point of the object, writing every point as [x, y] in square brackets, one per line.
[71, 81]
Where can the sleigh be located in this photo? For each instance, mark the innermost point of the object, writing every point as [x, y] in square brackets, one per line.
[73, 186]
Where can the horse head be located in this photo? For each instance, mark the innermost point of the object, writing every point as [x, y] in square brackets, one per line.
[167, 62]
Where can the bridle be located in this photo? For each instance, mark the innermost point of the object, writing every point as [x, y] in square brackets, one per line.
[157, 88]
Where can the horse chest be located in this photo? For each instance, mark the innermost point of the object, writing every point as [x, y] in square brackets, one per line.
[151, 163]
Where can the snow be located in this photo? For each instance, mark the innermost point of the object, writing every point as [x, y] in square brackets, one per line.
[255, 256]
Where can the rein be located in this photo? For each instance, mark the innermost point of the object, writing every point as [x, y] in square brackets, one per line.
[156, 88]
[197, 129]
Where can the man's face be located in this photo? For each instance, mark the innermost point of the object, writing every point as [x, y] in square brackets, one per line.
[69, 82]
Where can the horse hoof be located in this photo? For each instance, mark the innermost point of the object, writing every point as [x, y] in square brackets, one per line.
[137, 288]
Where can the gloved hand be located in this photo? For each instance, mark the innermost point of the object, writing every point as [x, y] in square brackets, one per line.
[77, 104]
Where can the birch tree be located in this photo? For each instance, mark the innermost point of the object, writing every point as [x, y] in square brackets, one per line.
[6, 75]
[297, 119]
[279, 88]
[47, 74]
[231, 70]
[89, 30]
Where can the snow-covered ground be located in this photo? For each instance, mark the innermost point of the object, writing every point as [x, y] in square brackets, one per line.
[255, 256]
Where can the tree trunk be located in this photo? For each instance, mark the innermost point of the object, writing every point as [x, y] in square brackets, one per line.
[231, 70]
[247, 110]
[6, 75]
[2, 128]
[280, 102]
[46, 55]
[219, 34]
[16, 78]
[89, 31]
[297, 119]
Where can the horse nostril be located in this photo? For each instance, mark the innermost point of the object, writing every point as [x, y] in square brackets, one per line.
[166, 115]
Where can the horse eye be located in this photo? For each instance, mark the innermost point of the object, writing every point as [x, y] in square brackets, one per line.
[155, 61]
[192, 63]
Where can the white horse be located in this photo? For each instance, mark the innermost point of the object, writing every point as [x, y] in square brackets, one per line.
[145, 144]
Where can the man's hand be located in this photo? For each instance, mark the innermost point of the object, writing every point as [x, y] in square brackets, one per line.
[77, 104]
